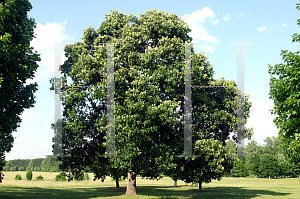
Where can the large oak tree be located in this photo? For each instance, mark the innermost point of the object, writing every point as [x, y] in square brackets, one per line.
[149, 87]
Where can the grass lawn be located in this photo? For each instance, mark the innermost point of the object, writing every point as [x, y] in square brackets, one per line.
[228, 187]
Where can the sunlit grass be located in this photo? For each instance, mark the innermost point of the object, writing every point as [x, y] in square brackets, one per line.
[228, 187]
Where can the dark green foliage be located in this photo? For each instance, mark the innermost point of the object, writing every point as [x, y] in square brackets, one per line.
[285, 169]
[18, 177]
[17, 164]
[240, 170]
[39, 178]
[79, 177]
[269, 166]
[213, 163]
[29, 175]
[61, 176]
[17, 64]
[50, 164]
[36, 162]
[253, 164]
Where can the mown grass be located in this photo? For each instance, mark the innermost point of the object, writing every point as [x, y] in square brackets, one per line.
[228, 187]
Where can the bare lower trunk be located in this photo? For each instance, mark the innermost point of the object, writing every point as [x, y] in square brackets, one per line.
[131, 184]
[200, 186]
[175, 183]
[117, 183]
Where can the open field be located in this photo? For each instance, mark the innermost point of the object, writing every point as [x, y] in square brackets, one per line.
[228, 187]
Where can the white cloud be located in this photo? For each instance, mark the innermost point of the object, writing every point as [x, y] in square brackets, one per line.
[199, 16]
[240, 15]
[226, 18]
[261, 120]
[261, 28]
[215, 22]
[207, 48]
[27, 116]
[45, 34]
[283, 25]
[270, 29]
[196, 20]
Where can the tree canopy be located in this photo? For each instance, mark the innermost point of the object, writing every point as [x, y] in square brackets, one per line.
[17, 64]
[149, 98]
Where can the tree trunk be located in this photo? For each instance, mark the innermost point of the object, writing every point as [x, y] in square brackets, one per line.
[131, 184]
[117, 183]
[175, 183]
[200, 186]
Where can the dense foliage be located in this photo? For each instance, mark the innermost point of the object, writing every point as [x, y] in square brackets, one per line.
[17, 64]
[262, 161]
[49, 164]
[149, 88]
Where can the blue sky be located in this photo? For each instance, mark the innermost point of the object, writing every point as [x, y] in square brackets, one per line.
[268, 24]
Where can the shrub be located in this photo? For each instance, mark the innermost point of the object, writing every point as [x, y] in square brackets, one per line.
[29, 175]
[18, 177]
[61, 176]
[39, 177]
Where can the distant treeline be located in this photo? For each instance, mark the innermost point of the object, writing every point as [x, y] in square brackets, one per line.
[48, 164]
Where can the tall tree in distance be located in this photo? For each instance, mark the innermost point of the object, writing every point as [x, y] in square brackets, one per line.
[285, 92]
[17, 64]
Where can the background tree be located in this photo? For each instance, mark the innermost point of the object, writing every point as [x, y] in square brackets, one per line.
[149, 88]
[240, 170]
[231, 147]
[36, 162]
[269, 166]
[285, 169]
[253, 164]
[284, 90]
[213, 163]
[50, 164]
[17, 64]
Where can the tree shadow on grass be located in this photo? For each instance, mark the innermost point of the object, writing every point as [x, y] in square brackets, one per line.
[163, 192]
[166, 192]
